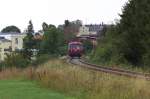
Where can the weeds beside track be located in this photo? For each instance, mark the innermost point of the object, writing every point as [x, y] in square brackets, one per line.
[117, 71]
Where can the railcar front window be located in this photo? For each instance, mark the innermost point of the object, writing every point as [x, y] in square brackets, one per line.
[75, 46]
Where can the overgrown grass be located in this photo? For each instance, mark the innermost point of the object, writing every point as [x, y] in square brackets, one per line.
[82, 83]
[88, 84]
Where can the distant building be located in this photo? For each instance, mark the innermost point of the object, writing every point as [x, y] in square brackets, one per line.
[40, 32]
[38, 36]
[90, 30]
[83, 30]
[96, 28]
[76, 28]
[77, 22]
[10, 42]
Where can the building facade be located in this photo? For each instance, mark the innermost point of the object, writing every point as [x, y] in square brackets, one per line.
[5, 48]
[90, 30]
[83, 30]
[10, 42]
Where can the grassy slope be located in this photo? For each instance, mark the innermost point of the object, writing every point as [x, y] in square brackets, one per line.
[19, 89]
[88, 84]
[71, 81]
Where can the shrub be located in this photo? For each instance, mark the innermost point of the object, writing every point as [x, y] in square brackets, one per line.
[146, 59]
[88, 46]
[15, 60]
[42, 58]
[63, 50]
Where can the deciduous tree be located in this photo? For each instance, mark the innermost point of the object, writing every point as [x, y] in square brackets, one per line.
[9, 29]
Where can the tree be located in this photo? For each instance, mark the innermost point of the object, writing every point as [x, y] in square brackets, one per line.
[88, 46]
[128, 41]
[67, 23]
[134, 30]
[9, 29]
[71, 29]
[30, 27]
[29, 42]
[44, 26]
[52, 41]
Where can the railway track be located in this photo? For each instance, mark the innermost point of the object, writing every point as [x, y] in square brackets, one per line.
[115, 71]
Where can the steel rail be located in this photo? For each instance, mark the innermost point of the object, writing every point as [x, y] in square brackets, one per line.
[117, 71]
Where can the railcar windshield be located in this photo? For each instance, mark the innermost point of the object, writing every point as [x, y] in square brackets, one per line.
[76, 46]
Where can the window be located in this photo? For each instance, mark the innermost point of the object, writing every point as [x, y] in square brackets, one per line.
[16, 40]
[6, 49]
[10, 48]
[16, 49]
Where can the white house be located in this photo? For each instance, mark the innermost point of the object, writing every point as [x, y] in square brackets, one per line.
[83, 30]
[10, 42]
[90, 30]
[15, 38]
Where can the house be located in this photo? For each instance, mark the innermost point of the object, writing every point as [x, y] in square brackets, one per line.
[90, 30]
[10, 42]
[95, 29]
[83, 31]
[38, 36]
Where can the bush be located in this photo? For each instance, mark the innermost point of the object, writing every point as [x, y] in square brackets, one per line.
[146, 59]
[63, 50]
[88, 46]
[42, 58]
[15, 60]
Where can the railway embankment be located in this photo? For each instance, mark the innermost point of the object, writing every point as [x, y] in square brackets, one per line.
[117, 71]
[81, 83]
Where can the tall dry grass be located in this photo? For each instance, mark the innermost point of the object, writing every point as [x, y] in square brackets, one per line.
[83, 83]
[88, 84]
[10, 73]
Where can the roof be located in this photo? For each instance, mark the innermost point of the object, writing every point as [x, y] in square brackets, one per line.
[11, 34]
[74, 42]
[95, 27]
[2, 39]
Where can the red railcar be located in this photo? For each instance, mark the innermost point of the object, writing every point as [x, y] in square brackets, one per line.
[75, 49]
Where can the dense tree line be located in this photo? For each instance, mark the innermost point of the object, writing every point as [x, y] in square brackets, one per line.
[51, 44]
[129, 40]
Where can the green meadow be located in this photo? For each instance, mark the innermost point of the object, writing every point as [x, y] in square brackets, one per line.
[23, 89]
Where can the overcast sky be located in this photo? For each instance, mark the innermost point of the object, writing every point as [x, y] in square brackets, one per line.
[19, 12]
